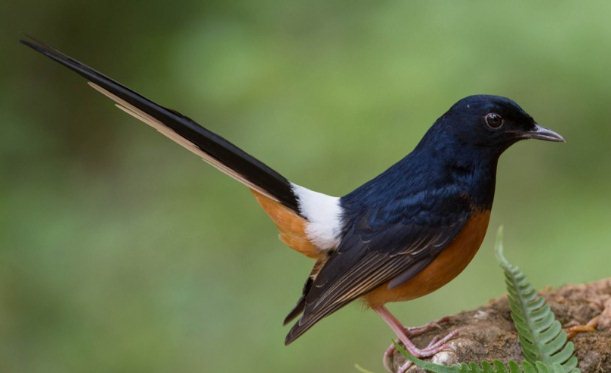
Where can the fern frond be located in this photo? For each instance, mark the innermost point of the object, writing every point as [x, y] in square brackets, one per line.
[541, 336]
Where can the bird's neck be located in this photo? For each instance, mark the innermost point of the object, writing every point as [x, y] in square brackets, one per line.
[473, 170]
[478, 177]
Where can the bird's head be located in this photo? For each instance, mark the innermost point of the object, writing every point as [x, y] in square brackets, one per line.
[490, 123]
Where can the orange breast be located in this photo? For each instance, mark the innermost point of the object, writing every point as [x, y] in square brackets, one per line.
[448, 264]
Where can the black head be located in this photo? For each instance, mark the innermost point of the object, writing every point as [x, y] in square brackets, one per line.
[490, 123]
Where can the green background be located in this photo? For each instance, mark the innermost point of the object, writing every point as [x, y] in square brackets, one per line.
[121, 252]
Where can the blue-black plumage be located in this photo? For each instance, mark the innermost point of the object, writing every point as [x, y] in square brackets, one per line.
[399, 236]
[396, 224]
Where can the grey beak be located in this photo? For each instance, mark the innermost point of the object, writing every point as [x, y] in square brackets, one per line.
[542, 133]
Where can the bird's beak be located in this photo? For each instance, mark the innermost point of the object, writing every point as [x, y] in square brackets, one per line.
[542, 133]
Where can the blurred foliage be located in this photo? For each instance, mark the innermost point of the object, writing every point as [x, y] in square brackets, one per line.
[120, 251]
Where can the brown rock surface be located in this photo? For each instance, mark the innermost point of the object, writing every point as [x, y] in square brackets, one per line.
[487, 333]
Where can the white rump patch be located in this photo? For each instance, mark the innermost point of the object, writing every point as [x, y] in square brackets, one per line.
[324, 215]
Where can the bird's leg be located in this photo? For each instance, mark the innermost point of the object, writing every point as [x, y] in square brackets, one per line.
[402, 333]
[419, 330]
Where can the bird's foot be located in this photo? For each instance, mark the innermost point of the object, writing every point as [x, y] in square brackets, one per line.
[404, 335]
[435, 346]
[419, 330]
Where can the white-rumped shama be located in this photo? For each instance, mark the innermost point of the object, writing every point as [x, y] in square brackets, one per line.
[399, 236]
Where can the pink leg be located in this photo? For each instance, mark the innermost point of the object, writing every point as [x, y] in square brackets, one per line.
[402, 333]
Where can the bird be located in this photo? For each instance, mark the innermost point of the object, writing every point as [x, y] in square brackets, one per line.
[399, 236]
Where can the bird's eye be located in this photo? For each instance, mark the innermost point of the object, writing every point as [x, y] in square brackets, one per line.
[493, 120]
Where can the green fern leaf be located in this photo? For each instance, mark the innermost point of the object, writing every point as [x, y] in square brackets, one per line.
[542, 339]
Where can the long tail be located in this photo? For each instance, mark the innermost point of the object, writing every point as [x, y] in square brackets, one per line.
[214, 149]
[309, 222]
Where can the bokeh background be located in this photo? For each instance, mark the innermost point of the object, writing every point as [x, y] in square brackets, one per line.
[121, 252]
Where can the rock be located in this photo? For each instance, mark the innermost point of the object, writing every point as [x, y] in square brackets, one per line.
[487, 333]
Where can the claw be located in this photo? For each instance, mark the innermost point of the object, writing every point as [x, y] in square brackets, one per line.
[387, 358]
[403, 368]
[439, 344]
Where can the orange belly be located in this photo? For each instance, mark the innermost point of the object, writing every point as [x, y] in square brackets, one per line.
[447, 265]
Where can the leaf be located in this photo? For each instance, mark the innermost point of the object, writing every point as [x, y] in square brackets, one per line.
[543, 341]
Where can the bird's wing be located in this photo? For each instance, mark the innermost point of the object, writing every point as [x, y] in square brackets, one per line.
[370, 256]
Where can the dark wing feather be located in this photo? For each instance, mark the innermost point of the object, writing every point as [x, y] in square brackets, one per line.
[373, 254]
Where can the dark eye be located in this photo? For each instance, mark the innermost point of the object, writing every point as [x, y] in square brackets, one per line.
[493, 120]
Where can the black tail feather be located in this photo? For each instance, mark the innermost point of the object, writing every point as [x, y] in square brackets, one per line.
[212, 144]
